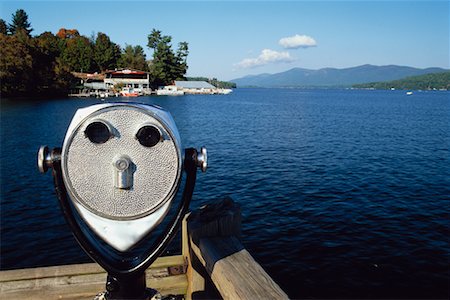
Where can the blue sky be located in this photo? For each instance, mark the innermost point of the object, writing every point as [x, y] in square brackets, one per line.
[231, 39]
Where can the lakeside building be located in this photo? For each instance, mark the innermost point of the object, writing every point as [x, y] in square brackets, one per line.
[106, 83]
[95, 82]
[195, 87]
[138, 80]
[113, 82]
[90, 85]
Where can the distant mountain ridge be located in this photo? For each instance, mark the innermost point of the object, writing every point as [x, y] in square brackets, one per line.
[332, 77]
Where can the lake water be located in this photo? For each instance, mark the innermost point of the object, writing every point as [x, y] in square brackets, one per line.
[344, 193]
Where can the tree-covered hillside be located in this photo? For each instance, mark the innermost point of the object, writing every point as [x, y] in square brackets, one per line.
[332, 77]
[44, 64]
[422, 82]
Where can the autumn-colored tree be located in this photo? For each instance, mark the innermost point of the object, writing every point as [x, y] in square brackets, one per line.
[67, 33]
[28, 65]
[31, 67]
[42, 65]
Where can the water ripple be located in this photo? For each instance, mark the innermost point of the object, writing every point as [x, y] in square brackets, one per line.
[344, 194]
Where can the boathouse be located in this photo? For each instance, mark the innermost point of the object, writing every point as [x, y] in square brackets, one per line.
[195, 87]
[138, 80]
[95, 82]
[90, 85]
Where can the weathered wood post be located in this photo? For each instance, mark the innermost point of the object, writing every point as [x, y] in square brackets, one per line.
[212, 234]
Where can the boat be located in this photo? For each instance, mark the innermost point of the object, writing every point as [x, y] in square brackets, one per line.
[169, 90]
[409, 93]
[224, 91]
[128, 92]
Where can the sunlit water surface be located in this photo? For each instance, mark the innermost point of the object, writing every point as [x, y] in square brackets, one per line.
[344, 193]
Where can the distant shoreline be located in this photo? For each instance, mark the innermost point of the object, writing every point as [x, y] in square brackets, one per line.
[52, 97]
[381, 77]
[338, 88]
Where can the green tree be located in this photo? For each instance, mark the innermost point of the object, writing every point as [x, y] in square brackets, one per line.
[3, 27]
[45, 53]
[16, 64]
[421, 82]
[215, 82]
[133, 58]
[63, 77]
[166, 66]
[78, 55]
[106, 53]
[48, 44]
[163, 57]
[30, 66]
[20, 21]
[182, 54]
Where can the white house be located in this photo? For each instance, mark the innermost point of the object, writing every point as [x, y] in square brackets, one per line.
[138, 80]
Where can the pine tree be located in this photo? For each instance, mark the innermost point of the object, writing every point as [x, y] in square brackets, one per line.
[106, 53]
[167, 66]
[182, 53]
[3, 27]
[133, 58]
[20, 22]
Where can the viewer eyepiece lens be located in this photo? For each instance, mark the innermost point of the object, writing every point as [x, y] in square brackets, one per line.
[97, 132]
[148, 136]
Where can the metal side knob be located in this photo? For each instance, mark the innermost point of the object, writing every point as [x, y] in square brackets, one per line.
[202, 159]
[46, 158]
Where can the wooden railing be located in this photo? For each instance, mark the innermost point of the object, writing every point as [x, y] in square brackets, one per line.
[211, 239]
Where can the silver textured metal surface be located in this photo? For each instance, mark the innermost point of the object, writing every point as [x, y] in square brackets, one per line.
[43, 158]
[89, 171]
[123, 172]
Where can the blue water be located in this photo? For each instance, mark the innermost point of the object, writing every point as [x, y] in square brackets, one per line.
[344, 193]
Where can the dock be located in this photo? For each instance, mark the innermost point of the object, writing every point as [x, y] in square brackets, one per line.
[213, 265]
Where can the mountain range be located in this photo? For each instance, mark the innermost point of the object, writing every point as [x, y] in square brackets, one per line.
[331, 77]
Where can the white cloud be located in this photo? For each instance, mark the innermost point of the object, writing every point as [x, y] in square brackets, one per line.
[297, 41]
[267, 56]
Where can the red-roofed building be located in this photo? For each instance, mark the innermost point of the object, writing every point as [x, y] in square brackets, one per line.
[138, 80]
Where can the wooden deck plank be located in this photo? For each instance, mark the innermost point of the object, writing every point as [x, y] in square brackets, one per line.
[78, 269]
[176, 285]
[84, 281]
